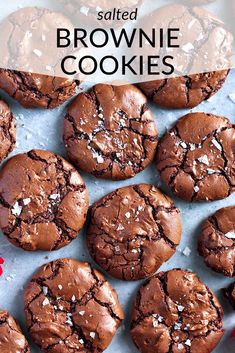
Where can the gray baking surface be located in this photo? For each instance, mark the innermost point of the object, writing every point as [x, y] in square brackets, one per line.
[43, 129]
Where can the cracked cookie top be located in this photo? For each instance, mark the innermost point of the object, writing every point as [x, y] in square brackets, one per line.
[70, 307]
[7, 130]
[217, 241]
[12, 339]
[133, 231]
[230, 294]
[110, 132]
[43, 201]
[35, 29]
[175, 312]
[205, 47]
[185, 91]
[196, 157]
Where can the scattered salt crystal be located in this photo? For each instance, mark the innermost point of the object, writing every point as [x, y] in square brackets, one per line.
[128, 215]
[187, 47]
[120, 227]
[81, 313]
[16, 209]
[134, 251]
[186, 251]
[73, 298]
[54, 196]
[68, 319]
[180, 308]
[188, 343]
[196, 188]
[45, 302]
[60, 286]
[177, 326]
[117, 248]
[192, 146]
[216, 144]
[100, 159]
[203, 159]
[155, 323]
[37, 52]
[84, 10]
[230, 235]
[27, 201]
[48, 68]
[180, 346]
[92, 334]
[45, 290]
[210, 171]
[81, 341]
[183, 144]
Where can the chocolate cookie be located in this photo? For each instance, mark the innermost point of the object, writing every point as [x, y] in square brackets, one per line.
[133, 231]
[7, 130]
[86, 11]
[12, 339]
[196, 158]
[201, 60]
[184, 91]
[70, 307]
[230, 294]
[35, 30]
[217, 241]
[175, 312]
[43, 201]
[110, 132]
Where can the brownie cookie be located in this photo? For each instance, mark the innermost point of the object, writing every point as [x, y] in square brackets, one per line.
[133, 231]
[201, 61]
[175, 312]
[7, 130]
[230, 294]
[70, 307]
[217, 241]
[86, 11]
[35, 30]
[43, 201]
[196, 158]
[184, 91]
[12, 339]
[110, 132]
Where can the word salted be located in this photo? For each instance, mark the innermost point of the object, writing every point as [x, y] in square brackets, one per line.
[117, 14]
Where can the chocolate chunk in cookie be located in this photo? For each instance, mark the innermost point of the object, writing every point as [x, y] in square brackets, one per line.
[27, 35]
[196, 158]
[70, 307]
[12, 339]
[175, 312]
[7, 130]
[217, 241]
[184, 91]
[86, 11]
[110, 131]
[43, 201]
[230, 294]
[133, 231]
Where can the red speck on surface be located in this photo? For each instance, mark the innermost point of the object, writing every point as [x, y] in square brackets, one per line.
[1, 263]
[233, 333]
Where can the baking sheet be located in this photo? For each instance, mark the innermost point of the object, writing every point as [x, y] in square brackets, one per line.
[43, 129]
